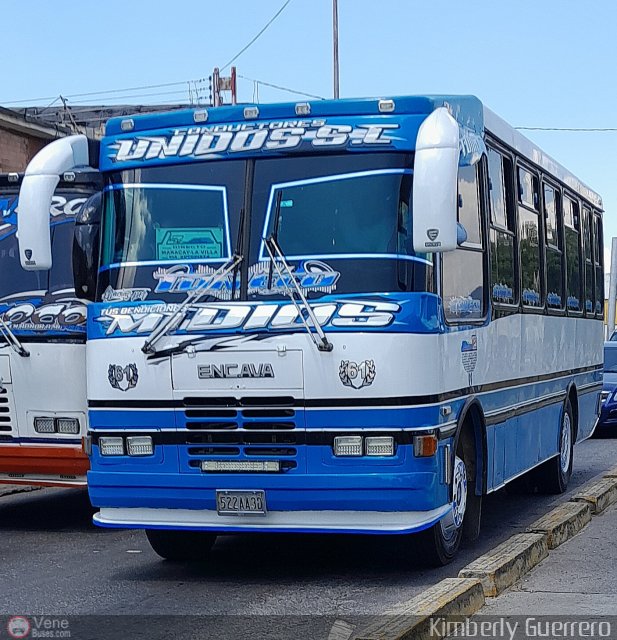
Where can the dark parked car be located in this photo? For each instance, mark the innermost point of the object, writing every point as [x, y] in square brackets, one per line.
[608, 413]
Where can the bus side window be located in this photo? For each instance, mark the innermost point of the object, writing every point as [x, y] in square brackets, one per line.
[529, 239]
[553, 248]
[598, 260]
[463, 268]
[571, 220]
[590, 305]
[504, 289]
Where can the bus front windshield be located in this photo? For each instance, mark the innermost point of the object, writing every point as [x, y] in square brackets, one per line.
[25, 294]
[352, 210]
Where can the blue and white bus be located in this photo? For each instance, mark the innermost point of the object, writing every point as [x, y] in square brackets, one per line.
[43, 403]
[352, 316]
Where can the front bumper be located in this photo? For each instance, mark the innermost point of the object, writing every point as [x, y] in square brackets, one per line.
[363, 522]
[45, 465]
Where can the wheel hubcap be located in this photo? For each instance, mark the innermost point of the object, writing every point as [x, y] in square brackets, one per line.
[566, 441]
[454, 519]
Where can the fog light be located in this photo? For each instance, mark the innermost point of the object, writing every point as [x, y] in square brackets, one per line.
[424, 446]
[139, 446]
[604, 396]
[111, 446]
[348, 446]
[67, 425]
[379, 446]
[44, 425]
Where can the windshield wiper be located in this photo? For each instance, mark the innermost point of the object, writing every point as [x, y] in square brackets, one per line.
[13, 340]
[275, 253]
[193, 297]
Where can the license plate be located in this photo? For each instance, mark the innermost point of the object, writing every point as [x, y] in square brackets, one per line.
[241, 503]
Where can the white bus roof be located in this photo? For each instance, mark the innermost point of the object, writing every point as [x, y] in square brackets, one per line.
[517, 141]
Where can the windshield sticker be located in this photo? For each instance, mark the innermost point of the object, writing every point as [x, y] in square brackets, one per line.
[503, 293]
[125, 295]
[464, 306]
[531, 298]
[189, 244]
[311, 275]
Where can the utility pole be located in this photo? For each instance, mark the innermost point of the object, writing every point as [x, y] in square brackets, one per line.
[612, 289]
[335, 46]
[218, 84]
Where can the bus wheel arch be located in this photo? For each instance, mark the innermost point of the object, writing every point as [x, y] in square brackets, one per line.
[470, 443]
[572, 396]
[471, 426]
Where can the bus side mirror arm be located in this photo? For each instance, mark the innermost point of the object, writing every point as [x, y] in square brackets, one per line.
[40, 181]
[435, 188]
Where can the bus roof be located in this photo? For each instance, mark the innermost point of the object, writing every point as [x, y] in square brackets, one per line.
[468, 110]
[514, 139]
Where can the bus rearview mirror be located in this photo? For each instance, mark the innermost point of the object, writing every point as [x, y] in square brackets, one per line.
[40, 180]
[435, 187]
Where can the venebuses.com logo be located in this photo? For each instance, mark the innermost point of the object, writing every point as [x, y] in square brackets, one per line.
[37, 627]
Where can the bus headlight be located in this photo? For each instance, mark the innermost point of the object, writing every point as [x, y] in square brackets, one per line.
[348, 446]
[111, 446]
[44, 425]
[67, 425]
[139, 446]
[379, 446]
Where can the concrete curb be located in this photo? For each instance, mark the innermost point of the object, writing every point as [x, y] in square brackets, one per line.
[563, 522]
[600, 494]
[495, 571]
[12, 489]
[505, 564]
[412, 619]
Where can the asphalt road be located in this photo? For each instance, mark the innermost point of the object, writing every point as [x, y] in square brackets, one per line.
[54, 561]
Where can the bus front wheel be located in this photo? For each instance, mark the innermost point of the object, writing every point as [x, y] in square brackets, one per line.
[180, 545]
[440, 543]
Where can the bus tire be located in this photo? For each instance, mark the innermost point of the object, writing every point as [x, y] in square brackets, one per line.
[180, 546]
[553, 476]
[439, 544]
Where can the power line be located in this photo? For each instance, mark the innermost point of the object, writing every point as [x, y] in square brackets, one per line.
[281, 88]
[583, 129]
[98, 93]
[272, 19]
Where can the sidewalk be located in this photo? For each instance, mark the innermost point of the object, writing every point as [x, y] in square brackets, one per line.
[577, 578]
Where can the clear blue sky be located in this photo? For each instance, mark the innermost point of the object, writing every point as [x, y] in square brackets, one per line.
[547, 63]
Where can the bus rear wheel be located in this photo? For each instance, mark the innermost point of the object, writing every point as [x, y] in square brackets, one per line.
[180, 546]
[553, 476]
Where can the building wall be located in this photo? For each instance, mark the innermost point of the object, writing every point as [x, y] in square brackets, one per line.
[17, 149]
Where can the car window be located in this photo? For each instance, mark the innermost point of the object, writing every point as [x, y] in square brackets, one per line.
[610, 359]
